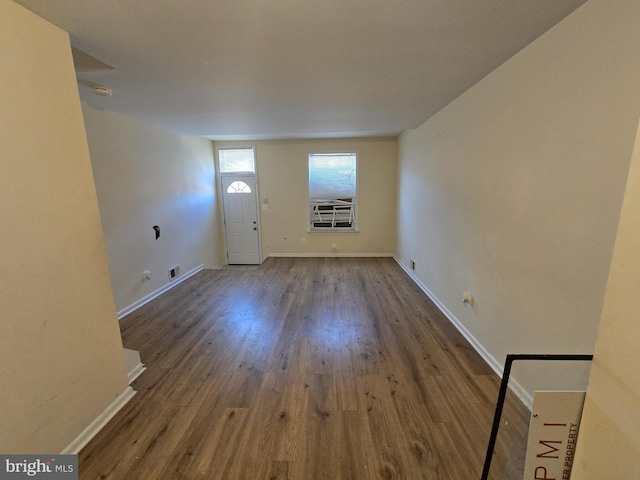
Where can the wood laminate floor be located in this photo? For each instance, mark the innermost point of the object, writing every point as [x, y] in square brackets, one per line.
[304, 368]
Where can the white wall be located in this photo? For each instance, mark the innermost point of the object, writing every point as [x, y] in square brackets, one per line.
[513, 191]
[61, 357]
[609, 438]
[282, 167]
[144, 177]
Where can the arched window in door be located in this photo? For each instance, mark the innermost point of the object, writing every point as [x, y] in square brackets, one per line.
[238, 187]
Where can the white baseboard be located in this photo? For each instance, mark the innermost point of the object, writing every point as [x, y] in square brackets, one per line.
[94, 427]
[135, 372]
[316, 255]
[134, 306]
[134, 365]
[495, 365]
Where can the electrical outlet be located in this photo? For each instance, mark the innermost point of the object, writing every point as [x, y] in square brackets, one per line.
[413, 264]
[333, 247]
[303, 240]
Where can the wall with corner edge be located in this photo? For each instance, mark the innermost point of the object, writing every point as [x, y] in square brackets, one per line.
[513, 191]
[61, 358]
[609, 438]
[145, 177]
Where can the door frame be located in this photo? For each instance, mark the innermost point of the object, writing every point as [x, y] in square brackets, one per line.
[253, 175]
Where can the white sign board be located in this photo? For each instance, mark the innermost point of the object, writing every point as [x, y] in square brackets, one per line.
[553, 433]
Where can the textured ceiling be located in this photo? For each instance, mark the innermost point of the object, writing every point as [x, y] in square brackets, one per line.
[293, 68]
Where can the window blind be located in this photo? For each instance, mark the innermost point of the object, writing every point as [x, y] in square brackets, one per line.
[332, 176]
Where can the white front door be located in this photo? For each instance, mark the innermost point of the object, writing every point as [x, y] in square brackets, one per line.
[240, 204]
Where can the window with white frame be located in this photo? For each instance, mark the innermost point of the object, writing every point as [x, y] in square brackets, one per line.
[237, 160]
[332, 191]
